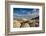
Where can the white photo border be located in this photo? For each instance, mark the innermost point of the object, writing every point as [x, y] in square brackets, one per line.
[25, 29]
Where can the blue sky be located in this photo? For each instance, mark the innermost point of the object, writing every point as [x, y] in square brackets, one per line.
[24, 11]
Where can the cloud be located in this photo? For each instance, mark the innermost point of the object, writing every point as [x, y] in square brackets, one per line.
[29, 15]
[23, 11]
[15, 14]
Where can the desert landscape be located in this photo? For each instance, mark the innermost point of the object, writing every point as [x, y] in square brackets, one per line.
[34, 22]
[25, 17]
